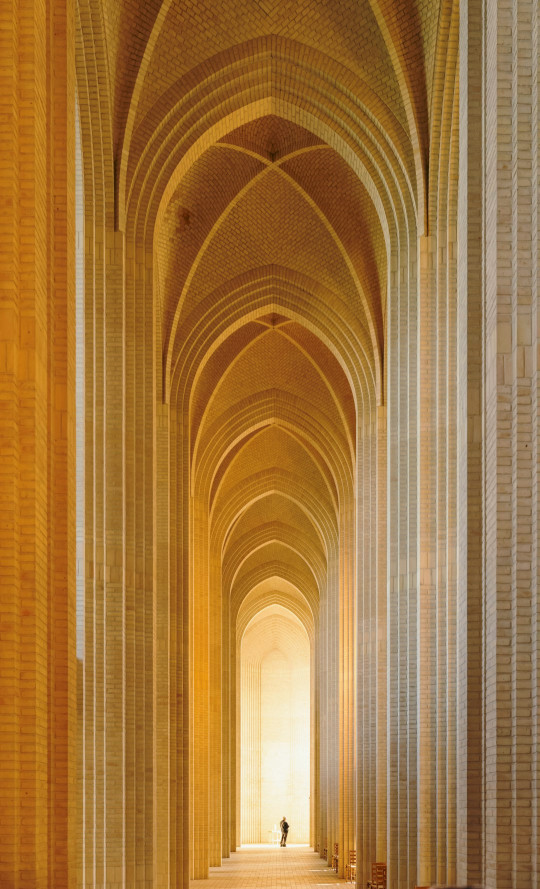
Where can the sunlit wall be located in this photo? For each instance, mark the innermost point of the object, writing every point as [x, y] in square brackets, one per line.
[275, 726]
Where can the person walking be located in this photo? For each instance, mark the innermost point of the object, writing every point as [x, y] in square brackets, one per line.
[284, 831]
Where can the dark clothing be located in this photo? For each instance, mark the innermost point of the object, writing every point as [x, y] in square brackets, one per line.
[284, 831]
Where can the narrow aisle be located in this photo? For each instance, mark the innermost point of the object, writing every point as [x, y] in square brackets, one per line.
[270, 867]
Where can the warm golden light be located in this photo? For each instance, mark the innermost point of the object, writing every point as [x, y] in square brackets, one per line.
[275, 726]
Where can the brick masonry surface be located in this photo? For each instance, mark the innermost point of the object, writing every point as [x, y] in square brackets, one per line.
[269, 345]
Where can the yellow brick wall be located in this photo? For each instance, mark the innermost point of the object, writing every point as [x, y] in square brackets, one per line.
[498, 471]
[244, 144]
[311, 382]
[37, 359]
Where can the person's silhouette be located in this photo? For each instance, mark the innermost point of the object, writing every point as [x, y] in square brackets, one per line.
[284, 831]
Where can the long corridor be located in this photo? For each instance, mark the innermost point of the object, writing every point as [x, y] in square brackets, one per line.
[270, 867]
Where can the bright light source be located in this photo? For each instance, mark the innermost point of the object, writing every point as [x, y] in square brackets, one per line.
[275, 727]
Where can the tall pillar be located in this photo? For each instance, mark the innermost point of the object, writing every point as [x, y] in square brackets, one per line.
[347, 681]
[199, 689]
[371, 647]
[403, 575]
[37, 445]
[428, 587]
[180, 642]
[216, 808]
[381, 639]
[470, 501]
[498, 469]
[165, 668]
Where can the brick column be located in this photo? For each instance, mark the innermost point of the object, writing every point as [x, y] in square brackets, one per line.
[199, 689]
[498, 469]
[381, 609]
[470, 501]
[371, 670]
[37, 468]
[403, 572]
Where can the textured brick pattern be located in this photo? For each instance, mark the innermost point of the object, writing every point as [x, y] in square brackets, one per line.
[37, 468]
[499, 470]
[311, 383]
[272, 869]
[307, 421]
[512, 509]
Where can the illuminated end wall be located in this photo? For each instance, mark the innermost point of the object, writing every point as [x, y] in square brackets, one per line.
[275, 726]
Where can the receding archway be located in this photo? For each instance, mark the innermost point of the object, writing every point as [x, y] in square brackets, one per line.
[275, 726]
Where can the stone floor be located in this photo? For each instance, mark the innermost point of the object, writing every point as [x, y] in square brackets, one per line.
[270, 867]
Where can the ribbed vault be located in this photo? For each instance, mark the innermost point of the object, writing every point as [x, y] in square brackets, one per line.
[269, 386]
[270, 167]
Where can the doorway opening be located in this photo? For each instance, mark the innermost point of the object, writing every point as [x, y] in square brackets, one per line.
[275, 710]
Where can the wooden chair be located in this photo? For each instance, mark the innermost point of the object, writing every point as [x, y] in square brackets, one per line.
[335, 858]
[378, 876]
[350, 868]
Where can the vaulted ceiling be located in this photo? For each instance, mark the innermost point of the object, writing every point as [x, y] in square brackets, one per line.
[265, 149]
